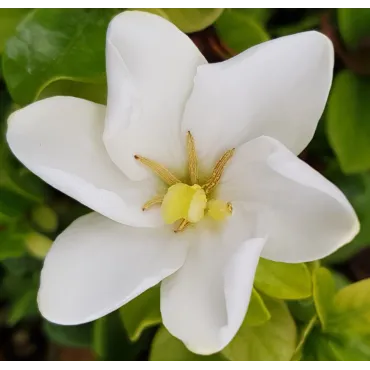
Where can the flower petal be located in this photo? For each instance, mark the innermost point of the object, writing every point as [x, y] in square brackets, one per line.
[96, 265]
[204, 303]
[151, 66]
[60, 140]
[278, 88]
[307, 217]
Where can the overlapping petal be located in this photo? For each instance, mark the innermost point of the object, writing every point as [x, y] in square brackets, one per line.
[306, 216]
[60, 140]
[150, 66]
[204, 303]
[278, 88]
[96, 265]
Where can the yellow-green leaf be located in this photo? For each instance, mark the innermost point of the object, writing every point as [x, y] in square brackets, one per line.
[165, 347]
[275, 340]
[257, 313]
[141, 313]
[275, 279]
[323, 294]
[239, 30]
[188, 20]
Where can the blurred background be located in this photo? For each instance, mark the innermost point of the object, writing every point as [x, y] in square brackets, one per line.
[36, 61]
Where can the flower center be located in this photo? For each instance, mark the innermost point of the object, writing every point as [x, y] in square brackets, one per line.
[189, 203]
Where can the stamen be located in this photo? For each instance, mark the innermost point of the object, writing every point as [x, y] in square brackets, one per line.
[192, 157]
[159, 170]
[218, 170]
[158, 199]
[184, 223]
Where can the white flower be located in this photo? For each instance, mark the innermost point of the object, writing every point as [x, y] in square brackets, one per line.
[165, 103]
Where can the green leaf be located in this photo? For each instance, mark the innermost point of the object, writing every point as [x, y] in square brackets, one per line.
[165, 347]
[357, 189]
[275, 279]
[110, 340]
[188, 20]
[354, 25]
[96, 92]
[351, 348]
[70, 336]
[273, 341]
[323, 294]
[257, 313]
[141, 313]
[305, 332]
[9, 19]
[261, 15]
[348, 117]
[239, 31]
[318, 347]
[24, 306]
[12, 245]
[351, 309]
[326, 347]
[340, 280]
[56, 44]
[302, 310]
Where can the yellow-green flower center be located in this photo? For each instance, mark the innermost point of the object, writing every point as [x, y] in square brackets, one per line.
[189, 203]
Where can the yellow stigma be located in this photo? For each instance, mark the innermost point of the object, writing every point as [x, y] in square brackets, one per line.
[184, 202]
[188, 203]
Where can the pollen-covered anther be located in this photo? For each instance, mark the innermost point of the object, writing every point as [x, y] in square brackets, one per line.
[158, 199]
[184, 203]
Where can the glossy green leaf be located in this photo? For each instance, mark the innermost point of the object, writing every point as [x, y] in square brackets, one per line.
[56, 44]
[165, 347]
[348, 117]
[141, 313]
[323, 294]
[354, 25]
[9, 19]
[239, 31]
[71, 336]
[273, 341]
[275, 279]
[351, 309]
[110, 341]
[257, 313]
[24, 306]
[96, 92]
[188, 20]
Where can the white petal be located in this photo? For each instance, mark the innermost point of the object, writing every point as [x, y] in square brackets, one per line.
[306, 216]
[151, 66]
[60, 140]
[278, 88]
[204, 303]
[96, 265]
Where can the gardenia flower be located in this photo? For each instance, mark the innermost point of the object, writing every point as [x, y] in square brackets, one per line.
[192, 172]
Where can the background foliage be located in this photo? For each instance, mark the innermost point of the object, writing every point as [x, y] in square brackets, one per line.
[315, 311]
